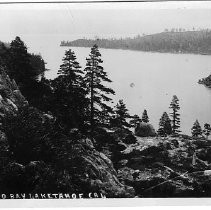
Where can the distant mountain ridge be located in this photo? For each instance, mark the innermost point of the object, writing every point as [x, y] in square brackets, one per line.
[196, 42]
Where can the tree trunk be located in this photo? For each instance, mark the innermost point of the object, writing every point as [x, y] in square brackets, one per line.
[174, 122]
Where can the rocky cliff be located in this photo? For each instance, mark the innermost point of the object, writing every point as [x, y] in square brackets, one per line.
[10, 96]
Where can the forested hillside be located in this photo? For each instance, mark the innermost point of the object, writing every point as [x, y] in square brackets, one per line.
[197, 42]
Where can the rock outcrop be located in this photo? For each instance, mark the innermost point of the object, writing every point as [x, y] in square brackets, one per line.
[10, 96]
[172, 167]
[86, 171]
[96, 172]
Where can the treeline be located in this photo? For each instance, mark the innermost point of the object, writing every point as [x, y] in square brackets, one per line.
[170, 126]
[173, 41]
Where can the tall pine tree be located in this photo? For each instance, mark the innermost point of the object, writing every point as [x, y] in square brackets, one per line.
[69, 92]
[175, 115]
[21, 69]
[95, 78]
[165, 125]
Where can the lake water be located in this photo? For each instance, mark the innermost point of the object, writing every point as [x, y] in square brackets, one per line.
[155, 78]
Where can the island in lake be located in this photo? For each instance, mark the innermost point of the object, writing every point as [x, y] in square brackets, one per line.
[206, 81]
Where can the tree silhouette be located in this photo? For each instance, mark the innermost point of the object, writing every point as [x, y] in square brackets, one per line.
[24, 68]
[21, 69]
[135, 120]
[145, 117]
[95, 78]
[207, 130]
[71, 68]
[5, 57]
[175, 115]
[69, 92]
[165, 125]
[121, 115]
[196, 129]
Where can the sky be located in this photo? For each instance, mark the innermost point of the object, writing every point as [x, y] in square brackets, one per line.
[69, 21]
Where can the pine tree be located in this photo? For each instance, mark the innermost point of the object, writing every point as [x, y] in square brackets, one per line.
[196, 129]
[161, 131]
[25, 69]
[5, 56]
[69, 92]
[95, 78]
[207, 130]
[121, 115]
[167, 124]
[135, 120]
[164, 125]
[175, 115]
[145, 117]
[71, 68]
[21, 69]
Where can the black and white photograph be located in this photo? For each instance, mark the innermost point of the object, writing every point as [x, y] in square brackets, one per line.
[103, 100]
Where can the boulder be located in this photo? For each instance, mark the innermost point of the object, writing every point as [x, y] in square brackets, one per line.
[145, 130]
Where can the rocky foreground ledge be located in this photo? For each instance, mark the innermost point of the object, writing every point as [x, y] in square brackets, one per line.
[159, 166]
[167, 167]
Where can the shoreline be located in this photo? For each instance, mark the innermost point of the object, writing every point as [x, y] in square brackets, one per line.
[163, 52]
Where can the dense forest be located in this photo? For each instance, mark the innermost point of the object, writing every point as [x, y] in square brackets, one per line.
[63, 137]
[173, 41]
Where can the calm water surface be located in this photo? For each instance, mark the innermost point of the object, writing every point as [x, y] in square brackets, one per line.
[156, 77]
